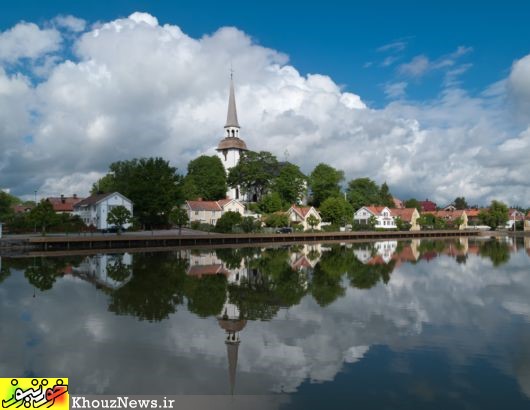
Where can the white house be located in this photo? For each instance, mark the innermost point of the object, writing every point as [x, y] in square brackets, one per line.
[298, 215]
[209, 212]
[94, 209]
[382, 215]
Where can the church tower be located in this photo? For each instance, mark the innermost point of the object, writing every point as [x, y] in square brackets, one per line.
[231, 146]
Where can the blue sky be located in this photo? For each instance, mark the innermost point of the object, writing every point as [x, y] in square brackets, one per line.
[434, 99]
[338, 38]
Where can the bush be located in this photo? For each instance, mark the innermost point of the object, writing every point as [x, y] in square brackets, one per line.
[227, 222]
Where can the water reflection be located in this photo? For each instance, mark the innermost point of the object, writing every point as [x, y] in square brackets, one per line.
[277, 319]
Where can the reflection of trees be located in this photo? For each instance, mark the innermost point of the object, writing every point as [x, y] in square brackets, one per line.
[117, 270]
[326, 285]
[231, 257]
[155, 289]
[206, 296]
[498, 252]
[366, 276]
[42, 272]
[426, 246]
[272, 284]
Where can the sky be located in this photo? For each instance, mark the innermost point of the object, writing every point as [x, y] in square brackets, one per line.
[433, 99]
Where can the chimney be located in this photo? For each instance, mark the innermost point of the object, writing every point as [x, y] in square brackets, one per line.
[62, 198]
[75, 196]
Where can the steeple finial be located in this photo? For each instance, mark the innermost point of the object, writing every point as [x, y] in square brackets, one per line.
[231, 118]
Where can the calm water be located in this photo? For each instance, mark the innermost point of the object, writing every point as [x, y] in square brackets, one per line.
[397, 325]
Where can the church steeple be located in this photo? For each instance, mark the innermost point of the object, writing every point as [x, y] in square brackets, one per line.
[231, 117]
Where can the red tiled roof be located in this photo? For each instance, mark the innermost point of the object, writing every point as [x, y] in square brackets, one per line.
[204, 205]
[450, 215]
[20, 208]
[472, 212]
[428, 205]
[199, 270]
[405, 213]
[223, 202]
[301, 210]
[64, 204]
[398, 203]
[376, 210]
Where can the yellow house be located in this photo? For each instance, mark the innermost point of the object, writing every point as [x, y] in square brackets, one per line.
[298, 215]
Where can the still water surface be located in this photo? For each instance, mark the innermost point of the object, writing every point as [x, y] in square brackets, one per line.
[421, 324]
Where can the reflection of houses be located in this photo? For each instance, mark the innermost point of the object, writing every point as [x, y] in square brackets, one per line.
[306, 257]
[379, 252]
[527, 223]
[203, 264]
[109, 271]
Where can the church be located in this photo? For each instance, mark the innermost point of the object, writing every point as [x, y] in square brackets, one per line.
[231, 146]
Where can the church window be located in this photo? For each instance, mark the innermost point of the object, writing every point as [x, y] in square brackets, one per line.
[225, 153]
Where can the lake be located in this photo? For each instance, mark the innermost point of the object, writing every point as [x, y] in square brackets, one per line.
[428, 324]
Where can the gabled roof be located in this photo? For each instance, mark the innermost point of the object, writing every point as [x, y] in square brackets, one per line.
[97, 198]
[376, 210]
[450, 215]
[404, 213]
[204, 205]
[303, 211]
[64, 203]
[472, 212]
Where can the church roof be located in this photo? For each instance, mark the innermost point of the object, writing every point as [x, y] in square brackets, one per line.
[231, 118]
[232, 142]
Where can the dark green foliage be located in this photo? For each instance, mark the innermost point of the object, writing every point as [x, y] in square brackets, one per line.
[206, 295]
[336, 210]
[151, 184]
[43, 216]
[413, 203]
[6, 206]
[363, 192]
[460, 203]
[227, 222]
[290, 184]
[402, 225]
[119, 216]
[498, 252]
[179, 217]
[495, 216]
[249, 224]
[271, 203]
[206, 179]
[277, 220]
[430, 221]
[254, 173]
[324, 182]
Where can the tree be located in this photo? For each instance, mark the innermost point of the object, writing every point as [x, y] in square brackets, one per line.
[254, 173]
[324, 182]
[364, 191]
[206, 178]
[413, 203]
[312, 221]
[290, 184]
[6, 205]
[151, 184]
[43, 215]
[270, 203]
[386, 197]
[336, 210]
[402, 225]
[119, 216]
[179, 217]
[249, 224]
[227, 222]
[460, 203]
[496, 215]
[277, 220]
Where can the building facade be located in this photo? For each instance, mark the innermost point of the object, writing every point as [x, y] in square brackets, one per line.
[95, 209]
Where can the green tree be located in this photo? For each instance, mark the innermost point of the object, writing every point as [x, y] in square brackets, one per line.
[271, 203]
[254, 173]
[119, 216]
[495, 216]
[460, 203]
[412, 203]
[179, 217]
[228, 221]
[249, 224]
[363, 191]
[277, 220]
[6, 205]
[324, 182]
[290, 184]
[312, 221]
[336, 210]
[206, 178]
[151, 184]
[386, 197]
[43, 215]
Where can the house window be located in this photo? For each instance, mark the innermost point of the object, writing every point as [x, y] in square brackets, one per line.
[196, 212]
